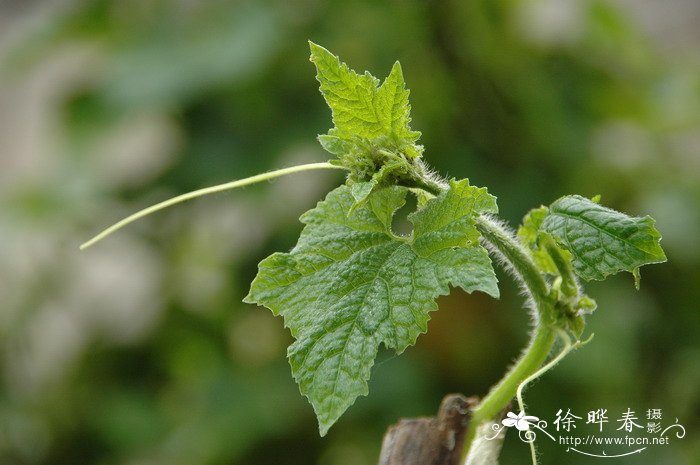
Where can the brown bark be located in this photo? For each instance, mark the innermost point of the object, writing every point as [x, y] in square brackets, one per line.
[429, 441]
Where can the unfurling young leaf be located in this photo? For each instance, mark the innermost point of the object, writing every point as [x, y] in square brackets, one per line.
[350, 284]
[601, 240]
[361, 108]
[529, 234]
[372, 136]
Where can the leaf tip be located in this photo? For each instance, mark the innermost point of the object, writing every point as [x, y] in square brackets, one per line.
[323, 428]
[317, 51]
[313, 46]
[396, 69]
[250, 298]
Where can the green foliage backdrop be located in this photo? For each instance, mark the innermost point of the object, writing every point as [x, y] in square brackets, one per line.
[140, 350]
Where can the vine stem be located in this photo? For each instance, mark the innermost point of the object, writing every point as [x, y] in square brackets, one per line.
[501, 394]
[206, 191]
[502, 243]
[568, 346]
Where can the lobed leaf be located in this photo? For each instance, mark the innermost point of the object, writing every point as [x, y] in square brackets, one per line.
[351, 284]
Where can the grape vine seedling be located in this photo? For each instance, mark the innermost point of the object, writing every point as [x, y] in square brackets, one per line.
[351, 283]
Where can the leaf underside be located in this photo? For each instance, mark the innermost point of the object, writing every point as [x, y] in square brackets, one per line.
[602, 241]
[350, 284]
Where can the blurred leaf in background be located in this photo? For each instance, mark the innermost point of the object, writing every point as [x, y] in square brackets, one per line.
[140, 350]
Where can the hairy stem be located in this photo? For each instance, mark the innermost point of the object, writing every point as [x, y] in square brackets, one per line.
[502, 242]
[517, 259]
[502, 393]
[206, 191]
[568, 346]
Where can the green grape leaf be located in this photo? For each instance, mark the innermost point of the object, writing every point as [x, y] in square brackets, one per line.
[350, 284]
[602, 241]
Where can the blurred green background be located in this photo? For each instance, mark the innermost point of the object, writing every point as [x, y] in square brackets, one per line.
[139, 350]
